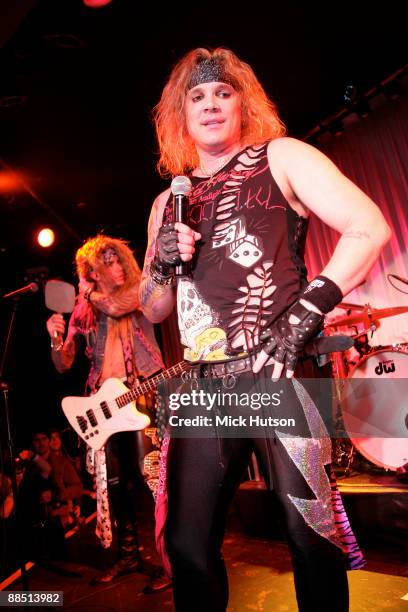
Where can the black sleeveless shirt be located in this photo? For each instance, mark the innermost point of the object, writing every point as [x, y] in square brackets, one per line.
[249, 264]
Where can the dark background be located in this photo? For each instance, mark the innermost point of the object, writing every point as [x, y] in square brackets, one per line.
[77, 148]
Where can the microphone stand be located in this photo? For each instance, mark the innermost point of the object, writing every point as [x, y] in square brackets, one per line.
[5, 388]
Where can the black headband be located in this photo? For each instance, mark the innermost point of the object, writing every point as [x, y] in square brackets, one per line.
[209, 71]
[108, 255]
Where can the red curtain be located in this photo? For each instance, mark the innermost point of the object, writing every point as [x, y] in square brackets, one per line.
[373, 153]
[172, 349]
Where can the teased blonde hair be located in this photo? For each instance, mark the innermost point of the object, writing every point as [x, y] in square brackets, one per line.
[89, 257]
[260, 120]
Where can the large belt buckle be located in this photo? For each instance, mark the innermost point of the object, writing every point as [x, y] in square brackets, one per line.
[194, 386]
[229, 380]
[191, 376]
[186, 375]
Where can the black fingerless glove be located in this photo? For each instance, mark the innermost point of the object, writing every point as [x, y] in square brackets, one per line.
[285, 340]
[167, 251]
[167, 255]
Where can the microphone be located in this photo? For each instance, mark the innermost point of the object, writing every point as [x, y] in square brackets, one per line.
[180, 188]
[400, 278]
[31, 288]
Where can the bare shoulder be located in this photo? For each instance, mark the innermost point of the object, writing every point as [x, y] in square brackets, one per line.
[162, 197]
[317, 185]
[159, 205]
[287, 150]
[303, 166]
[156, 220]
[286, 156]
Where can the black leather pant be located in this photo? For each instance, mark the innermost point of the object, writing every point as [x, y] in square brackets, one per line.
[203, 475]
[125, 453]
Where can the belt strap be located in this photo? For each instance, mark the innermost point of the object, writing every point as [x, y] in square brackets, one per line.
[218, 370]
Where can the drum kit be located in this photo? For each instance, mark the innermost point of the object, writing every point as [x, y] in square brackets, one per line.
[369, 407]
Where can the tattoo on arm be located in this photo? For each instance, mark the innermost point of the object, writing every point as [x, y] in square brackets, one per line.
[356, 234]
[154, 298]
[150, 291]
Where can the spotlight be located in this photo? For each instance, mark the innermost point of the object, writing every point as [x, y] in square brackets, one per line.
[46, 237]
[9, 182]
[96, 3]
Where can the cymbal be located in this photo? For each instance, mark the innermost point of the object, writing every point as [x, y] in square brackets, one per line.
[368, 315]
[348, 306]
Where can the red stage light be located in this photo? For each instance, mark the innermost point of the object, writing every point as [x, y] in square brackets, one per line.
[9, 182]
[96, 3]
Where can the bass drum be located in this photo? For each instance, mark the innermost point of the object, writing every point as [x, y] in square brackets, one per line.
[375, 409]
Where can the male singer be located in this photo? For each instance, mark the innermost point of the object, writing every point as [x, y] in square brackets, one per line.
[245, 299]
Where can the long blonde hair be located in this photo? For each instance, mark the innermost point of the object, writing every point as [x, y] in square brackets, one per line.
[88, 257]
[260, 120]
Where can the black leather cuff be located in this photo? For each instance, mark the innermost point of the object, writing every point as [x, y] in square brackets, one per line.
[161, 268]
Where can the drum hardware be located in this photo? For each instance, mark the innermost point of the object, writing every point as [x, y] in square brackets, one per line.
[364, 332]
[385, 453]
[376, 408]
[402, 473]
[361, 343]
[342, 447]
[372, 328]
[343, 455]
[400, 346]
[348, 306]
[368, 316]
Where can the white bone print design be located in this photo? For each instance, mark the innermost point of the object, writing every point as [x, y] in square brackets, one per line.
[242, 248]
[254, 308]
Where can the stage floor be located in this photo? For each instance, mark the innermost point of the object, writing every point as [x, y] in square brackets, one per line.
[259, 570]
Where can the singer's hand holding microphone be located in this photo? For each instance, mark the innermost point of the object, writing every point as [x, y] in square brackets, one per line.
[175, 243]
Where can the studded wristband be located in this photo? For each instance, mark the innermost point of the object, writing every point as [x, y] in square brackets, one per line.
[160, 275]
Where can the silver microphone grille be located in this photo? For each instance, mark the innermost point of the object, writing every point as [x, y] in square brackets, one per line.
[180, 185]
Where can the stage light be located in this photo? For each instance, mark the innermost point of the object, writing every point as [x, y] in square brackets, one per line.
[97, 3]
[46, 237]
[9, 182]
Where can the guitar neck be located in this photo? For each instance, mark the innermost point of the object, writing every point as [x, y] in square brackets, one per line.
[151, 383]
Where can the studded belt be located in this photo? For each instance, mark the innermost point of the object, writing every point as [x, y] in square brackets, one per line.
[219, 370]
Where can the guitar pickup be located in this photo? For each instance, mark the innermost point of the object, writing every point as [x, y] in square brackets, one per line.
[92, 418]
[83, 425]
[105, 409]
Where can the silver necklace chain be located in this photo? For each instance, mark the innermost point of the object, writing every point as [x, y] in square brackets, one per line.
[224, 161]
